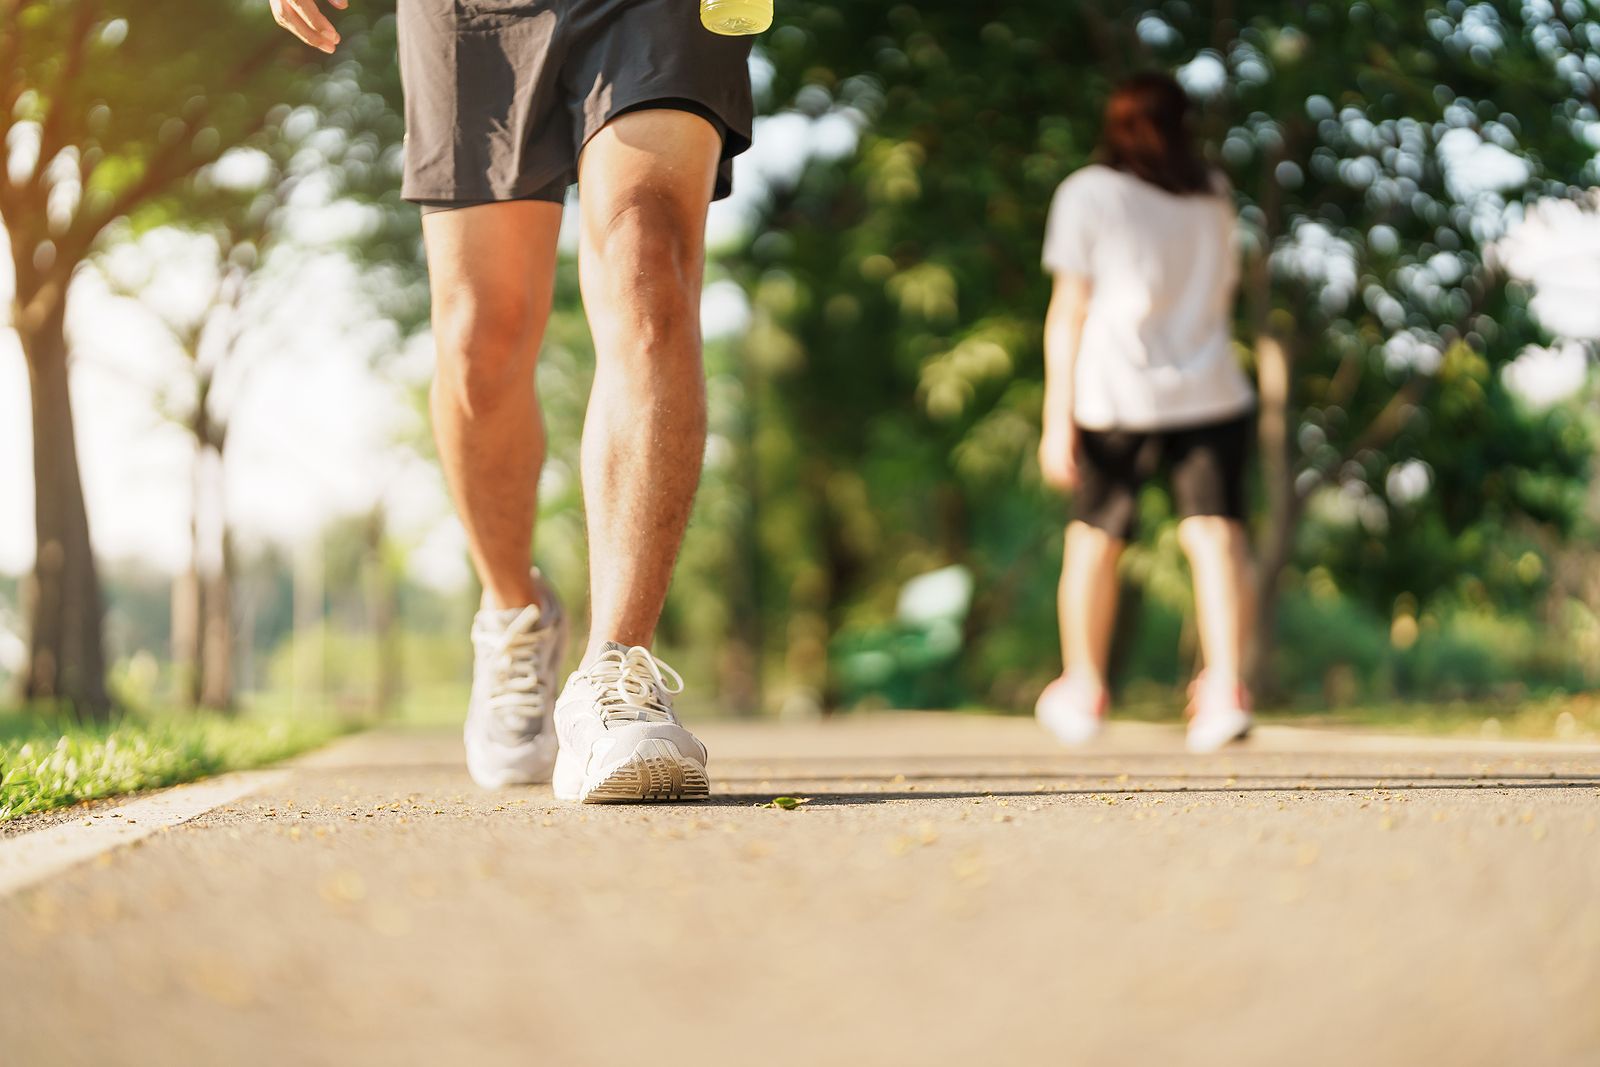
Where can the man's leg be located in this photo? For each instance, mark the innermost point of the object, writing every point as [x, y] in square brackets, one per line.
[1219, 558]
[1088, 601]
[645, 182]
[492, 268]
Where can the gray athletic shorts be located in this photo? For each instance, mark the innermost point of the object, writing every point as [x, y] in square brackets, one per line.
[502, 95]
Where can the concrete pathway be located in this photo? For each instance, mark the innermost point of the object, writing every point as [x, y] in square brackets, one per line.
[955, 890]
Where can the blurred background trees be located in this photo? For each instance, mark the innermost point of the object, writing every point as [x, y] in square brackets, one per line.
[112, 113]
[870, 528]
[1378, 151]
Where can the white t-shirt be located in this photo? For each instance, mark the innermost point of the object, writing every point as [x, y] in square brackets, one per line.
[1157, 348]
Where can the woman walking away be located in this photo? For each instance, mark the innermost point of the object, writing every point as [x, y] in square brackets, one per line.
[1140, 381]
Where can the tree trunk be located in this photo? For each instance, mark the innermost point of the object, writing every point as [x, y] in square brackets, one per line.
[309, 636]
[189, 595]
[1275, 370]
[216, 655]
[382, 616]
[740, 680]
[1275, 381]
[185, 636]
[66, 654]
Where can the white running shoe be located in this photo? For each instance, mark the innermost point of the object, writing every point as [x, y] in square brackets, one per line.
[1073, 708]
[516, 656]
[1219, 714]
[620, 739]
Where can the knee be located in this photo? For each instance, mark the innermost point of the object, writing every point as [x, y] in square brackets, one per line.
[650, 247]
[487, 347]
[1210, 535]
[1197, 533]
[1091, 542]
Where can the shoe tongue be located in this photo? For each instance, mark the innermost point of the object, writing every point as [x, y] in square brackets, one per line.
[613, 646]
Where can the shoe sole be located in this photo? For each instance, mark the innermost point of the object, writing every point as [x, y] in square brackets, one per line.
[1207, 750]
[654, 771]
[491, 773]
[1078, 739]
[484, 771]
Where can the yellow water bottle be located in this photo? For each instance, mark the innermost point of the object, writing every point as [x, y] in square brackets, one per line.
[736, 18]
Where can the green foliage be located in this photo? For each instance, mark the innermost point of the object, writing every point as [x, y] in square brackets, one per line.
[1340, 652]
[45, 763]
[1559, 716]
[121, 104]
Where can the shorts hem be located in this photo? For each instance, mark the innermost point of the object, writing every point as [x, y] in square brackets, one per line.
[458, 197]
[736, 140]
[1115, 529]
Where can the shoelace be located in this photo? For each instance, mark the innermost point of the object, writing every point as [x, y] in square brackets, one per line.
[514, 661]
[633, 686]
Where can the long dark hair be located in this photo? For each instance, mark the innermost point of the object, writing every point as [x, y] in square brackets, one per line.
[1147, 135]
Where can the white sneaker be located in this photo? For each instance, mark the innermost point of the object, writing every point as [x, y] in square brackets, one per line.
[1073, 708]
[516, 655]
[620, 739]
[1219, 714]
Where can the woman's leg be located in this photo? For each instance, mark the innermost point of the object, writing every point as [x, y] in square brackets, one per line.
[1208, 469]
[1073, 707]
[1111, 467]
[1087, 601]
[1219, 557]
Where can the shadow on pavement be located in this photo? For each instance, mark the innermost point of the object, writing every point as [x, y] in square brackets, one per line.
[825, 798]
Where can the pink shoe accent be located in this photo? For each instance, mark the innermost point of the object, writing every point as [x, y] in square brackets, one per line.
[1207, 695]
[1219, 714]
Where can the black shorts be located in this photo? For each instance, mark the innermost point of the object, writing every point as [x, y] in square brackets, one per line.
[502, 95]
[1205, 468]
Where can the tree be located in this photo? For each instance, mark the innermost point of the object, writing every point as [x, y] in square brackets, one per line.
[110, 111]
[1378, 318]
[207, 335]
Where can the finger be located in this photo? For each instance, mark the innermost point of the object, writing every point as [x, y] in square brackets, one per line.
[340, 4]
[314, 19]
[290, 20]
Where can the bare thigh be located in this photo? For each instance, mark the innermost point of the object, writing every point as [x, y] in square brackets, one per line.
[492, 273]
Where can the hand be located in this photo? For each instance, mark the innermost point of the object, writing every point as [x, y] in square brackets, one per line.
[1058, 457]
[303, 19]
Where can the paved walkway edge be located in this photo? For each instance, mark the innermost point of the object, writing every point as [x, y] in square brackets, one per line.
[32, 857]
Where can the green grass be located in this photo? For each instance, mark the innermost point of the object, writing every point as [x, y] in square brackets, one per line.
[1574, 717]
[46, 764]
[1564, 717]
[1546, 717]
